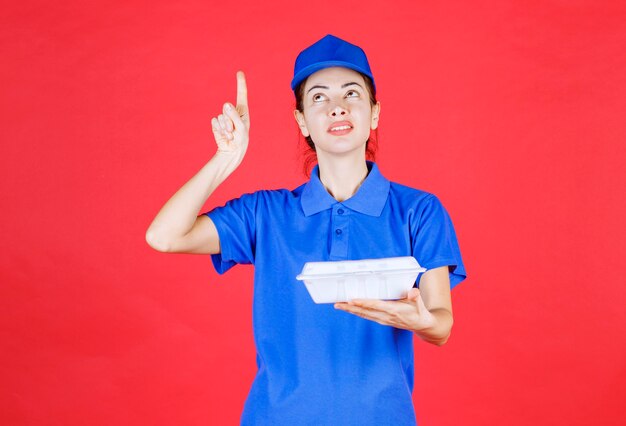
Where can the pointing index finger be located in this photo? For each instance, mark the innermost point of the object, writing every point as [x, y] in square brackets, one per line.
[242, 90]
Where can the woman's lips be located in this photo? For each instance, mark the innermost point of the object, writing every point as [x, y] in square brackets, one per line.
[340, 128]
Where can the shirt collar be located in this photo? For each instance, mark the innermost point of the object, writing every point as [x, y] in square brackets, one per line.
[369, 199]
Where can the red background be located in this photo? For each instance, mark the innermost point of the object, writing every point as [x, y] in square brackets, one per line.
[511, 112]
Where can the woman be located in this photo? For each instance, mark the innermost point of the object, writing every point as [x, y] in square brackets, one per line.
[317, 364]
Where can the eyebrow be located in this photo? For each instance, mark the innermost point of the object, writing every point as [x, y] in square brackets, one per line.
[326, 87]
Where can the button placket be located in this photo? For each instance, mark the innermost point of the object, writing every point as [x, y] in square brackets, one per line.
[339, 233]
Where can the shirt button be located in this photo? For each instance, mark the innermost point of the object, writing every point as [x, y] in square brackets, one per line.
[340, 211]
[338, 231]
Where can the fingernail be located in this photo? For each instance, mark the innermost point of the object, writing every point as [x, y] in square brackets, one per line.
[228, 107]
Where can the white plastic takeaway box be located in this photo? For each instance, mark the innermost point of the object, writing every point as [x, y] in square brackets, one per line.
[343, 280]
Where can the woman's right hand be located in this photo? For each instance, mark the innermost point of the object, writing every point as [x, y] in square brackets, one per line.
[231, 128]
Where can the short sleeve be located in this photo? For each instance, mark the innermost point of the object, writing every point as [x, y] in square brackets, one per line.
[434, 240]
[236, 227]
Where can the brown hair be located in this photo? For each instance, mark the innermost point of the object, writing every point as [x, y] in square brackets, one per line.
[308, 152]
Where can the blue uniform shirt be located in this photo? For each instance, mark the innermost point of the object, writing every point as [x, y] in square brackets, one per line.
[318, 365]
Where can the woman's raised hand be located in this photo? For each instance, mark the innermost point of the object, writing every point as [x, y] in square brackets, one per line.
[231, 128]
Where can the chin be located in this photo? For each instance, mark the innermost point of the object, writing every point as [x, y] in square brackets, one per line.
[340, 149]
[338, 145]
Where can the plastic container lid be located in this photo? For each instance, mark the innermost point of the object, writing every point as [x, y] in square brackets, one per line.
[382, 278]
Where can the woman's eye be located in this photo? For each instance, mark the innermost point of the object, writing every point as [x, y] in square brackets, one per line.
[353, 92]
[318, 97]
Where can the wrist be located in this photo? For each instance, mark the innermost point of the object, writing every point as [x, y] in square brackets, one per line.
[426, 325]
[227, 161]
[437, 328]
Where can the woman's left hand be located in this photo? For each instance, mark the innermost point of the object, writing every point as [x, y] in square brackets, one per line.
[408, 314]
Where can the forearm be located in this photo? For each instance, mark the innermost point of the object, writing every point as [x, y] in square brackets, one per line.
[179, 213]
[439, 332]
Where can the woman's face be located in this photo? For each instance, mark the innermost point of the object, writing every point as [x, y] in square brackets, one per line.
[337, 113]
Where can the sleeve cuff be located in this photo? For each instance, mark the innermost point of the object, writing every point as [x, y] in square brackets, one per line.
[221, 261]
[457, 274]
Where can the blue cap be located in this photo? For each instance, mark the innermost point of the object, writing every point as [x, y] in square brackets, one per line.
[330, 51]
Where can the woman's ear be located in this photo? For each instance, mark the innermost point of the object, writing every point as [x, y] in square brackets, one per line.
[375, 115]
[301, 123]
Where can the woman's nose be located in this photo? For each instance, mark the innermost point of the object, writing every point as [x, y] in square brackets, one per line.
[337, 109]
